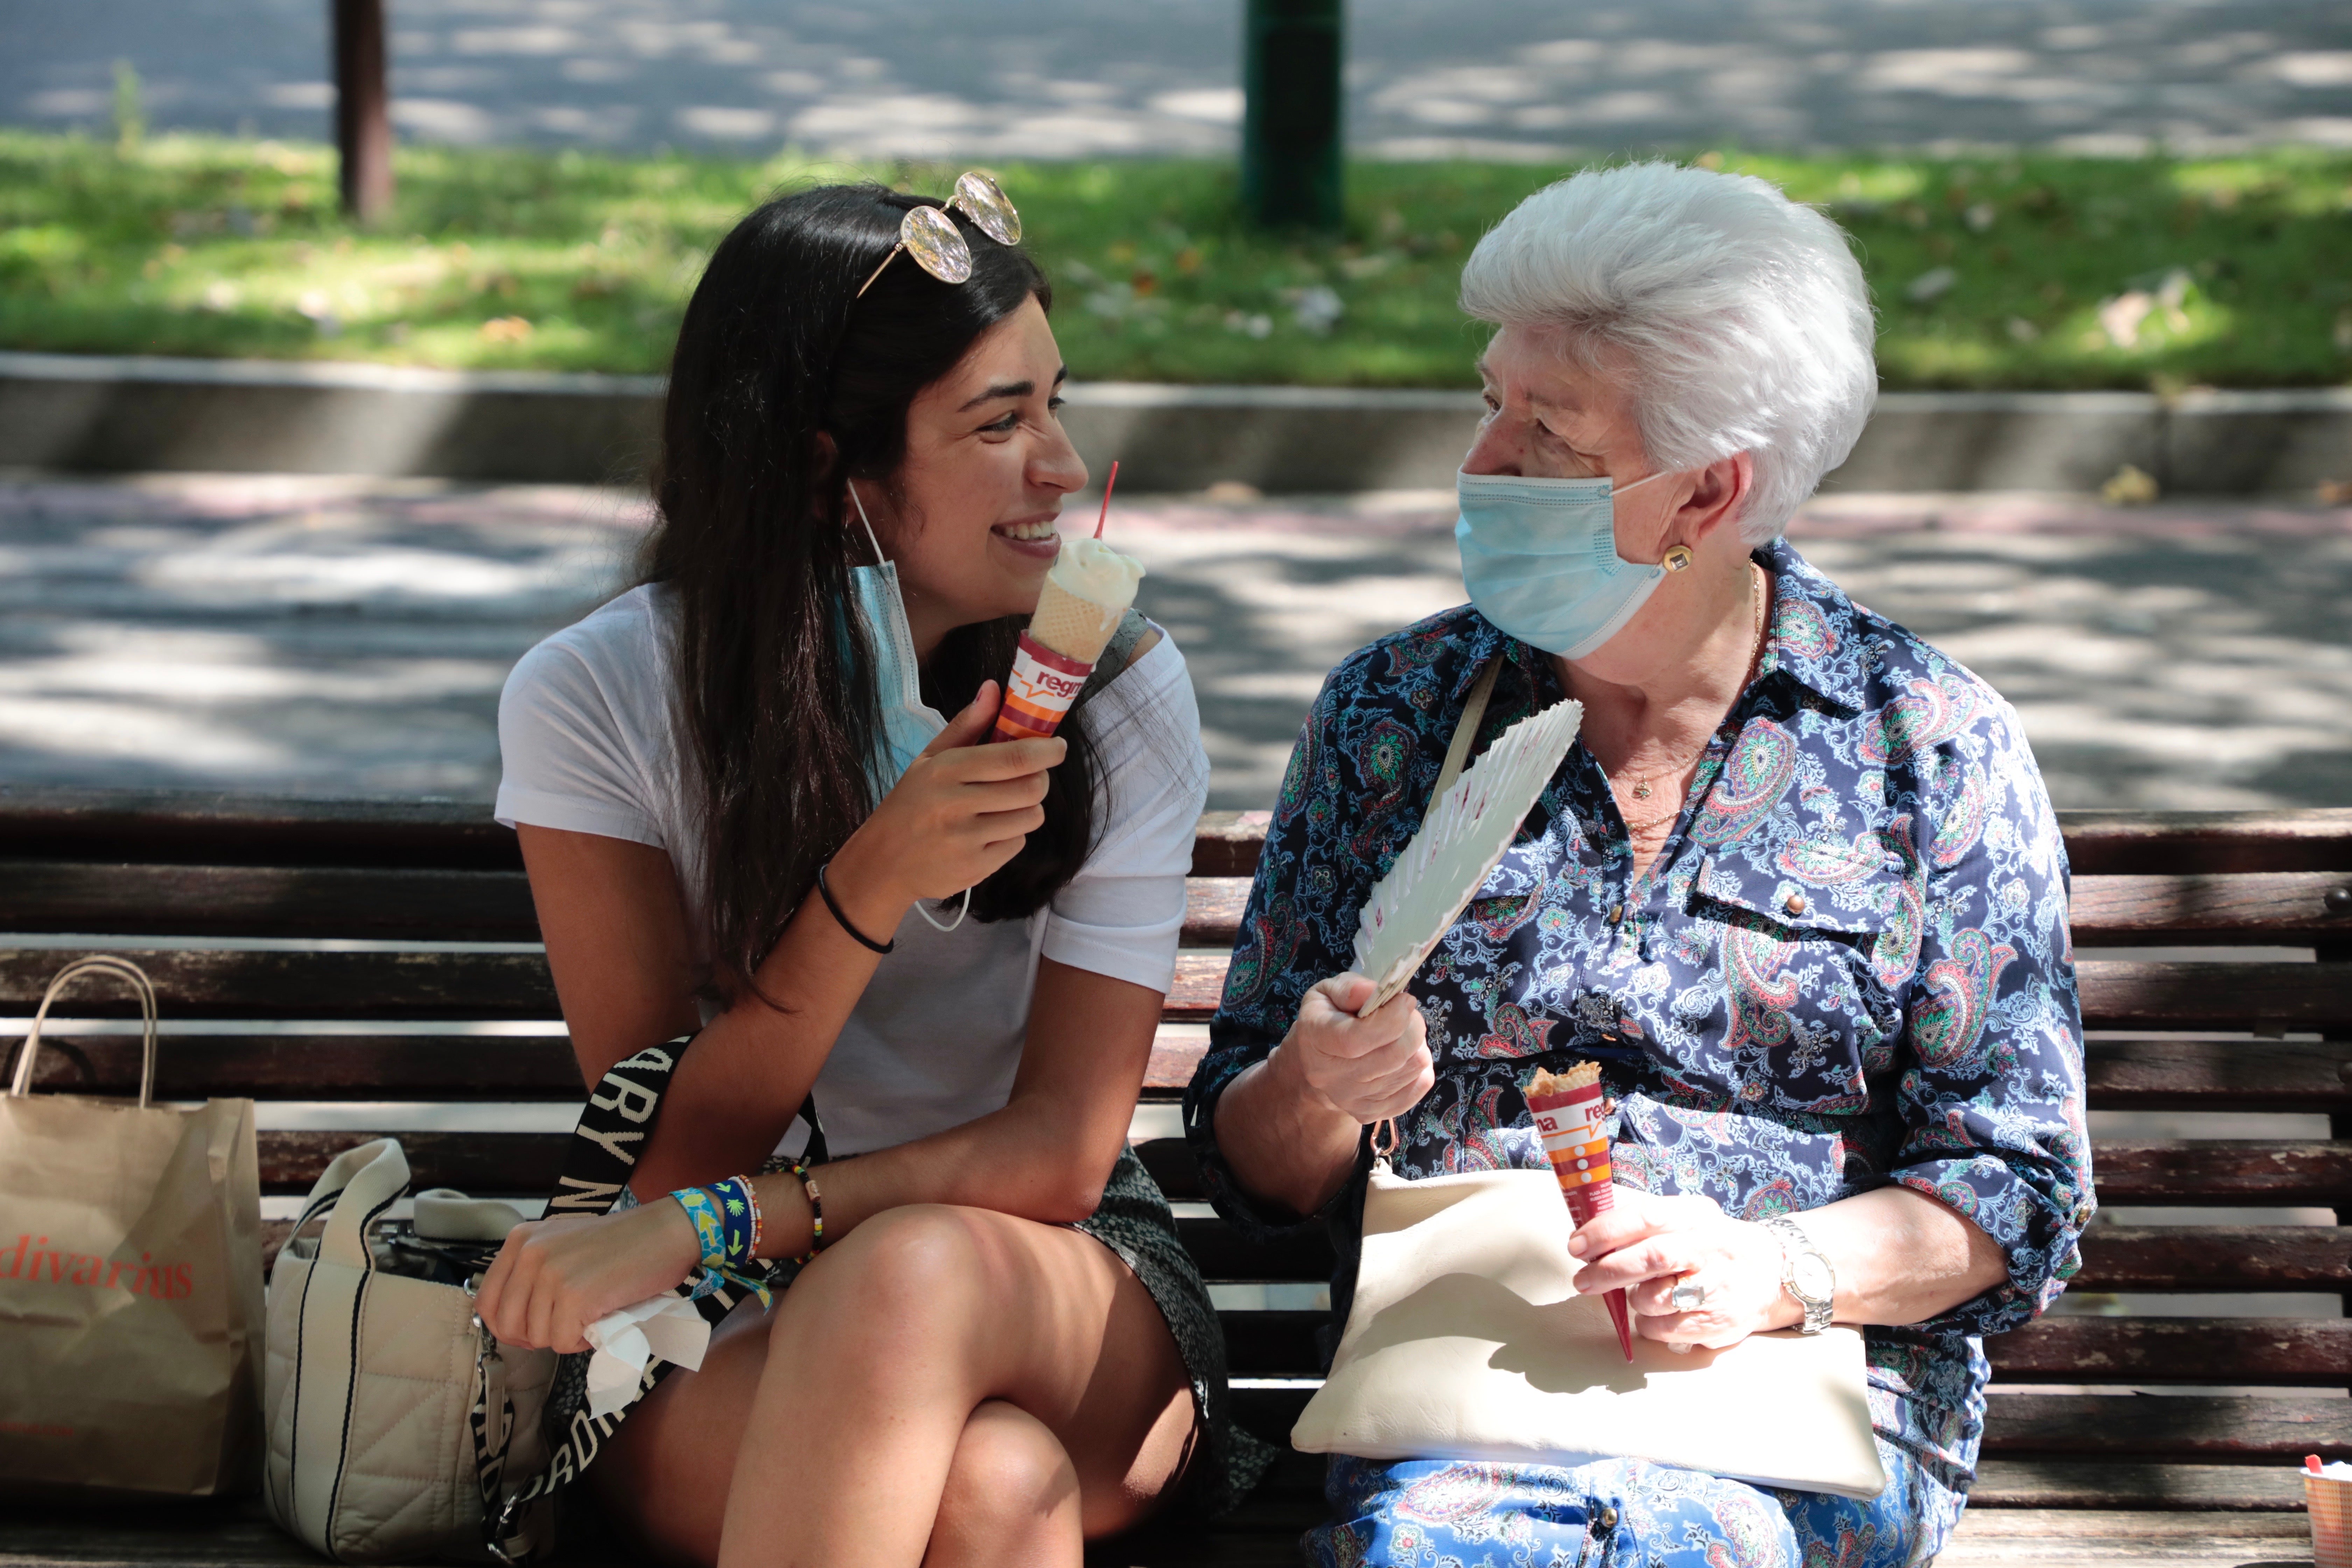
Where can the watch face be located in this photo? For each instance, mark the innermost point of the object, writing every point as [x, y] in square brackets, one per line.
[1811, 1277]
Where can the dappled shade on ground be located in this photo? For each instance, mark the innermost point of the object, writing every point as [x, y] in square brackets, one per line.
[331, 636]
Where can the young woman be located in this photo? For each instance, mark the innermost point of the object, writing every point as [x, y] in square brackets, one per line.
[741, 814]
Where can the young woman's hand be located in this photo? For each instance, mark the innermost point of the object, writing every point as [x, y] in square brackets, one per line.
[1368, 1068]
[1647, 1245]
[963, 810]
[555, 1277]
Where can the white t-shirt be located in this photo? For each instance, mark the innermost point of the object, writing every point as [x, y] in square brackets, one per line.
[587, 735]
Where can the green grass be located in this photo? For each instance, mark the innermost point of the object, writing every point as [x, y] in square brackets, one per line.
[573, 261]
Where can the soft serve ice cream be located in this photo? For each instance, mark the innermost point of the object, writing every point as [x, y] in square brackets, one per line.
[1086, 597]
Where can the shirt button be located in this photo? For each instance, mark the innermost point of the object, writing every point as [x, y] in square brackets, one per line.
[1617, 914]
[1796, 903]
[1608, 1519]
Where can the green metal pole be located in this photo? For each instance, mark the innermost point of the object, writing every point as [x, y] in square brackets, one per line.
[1291, 56]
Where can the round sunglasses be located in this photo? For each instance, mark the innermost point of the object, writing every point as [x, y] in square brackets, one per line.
[939, 248]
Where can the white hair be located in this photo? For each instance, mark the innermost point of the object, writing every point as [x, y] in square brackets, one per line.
[1741, 314]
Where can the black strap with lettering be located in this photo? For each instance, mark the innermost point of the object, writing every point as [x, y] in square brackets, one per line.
[614, 1127]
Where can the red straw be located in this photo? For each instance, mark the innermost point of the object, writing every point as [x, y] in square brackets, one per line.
[1107, 488]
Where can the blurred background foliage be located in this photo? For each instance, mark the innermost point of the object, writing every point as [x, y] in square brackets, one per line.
[1988, 272]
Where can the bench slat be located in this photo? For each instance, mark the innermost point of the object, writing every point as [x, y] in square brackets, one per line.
[2219, 1075]
[2278, 1352]
[2115, 843]
[206, 827]
[2201, 1258]
[384, 903]
[2181, 1427]
[2144, 1171]
[380, 1067]
[376, 901]
[2115, 1257]
[2184, 1427]
[197, 827]
[2286, 909]
[232, 984]
[2269, 1171]
[2088, 1484]
[2301, 997]
[2277, 909]
[2123, 1074]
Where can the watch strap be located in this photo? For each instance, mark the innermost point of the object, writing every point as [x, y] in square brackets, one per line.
[1794, 1243]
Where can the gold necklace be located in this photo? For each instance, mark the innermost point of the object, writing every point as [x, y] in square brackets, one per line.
[1639, 789]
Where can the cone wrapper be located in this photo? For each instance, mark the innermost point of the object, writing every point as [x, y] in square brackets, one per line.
[2330, 1502]
[1040, 690]
[1569, 1123]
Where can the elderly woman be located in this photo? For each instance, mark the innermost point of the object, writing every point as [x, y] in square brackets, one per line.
[1797, 888]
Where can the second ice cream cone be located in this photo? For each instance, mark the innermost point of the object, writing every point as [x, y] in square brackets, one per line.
[1568, 1109]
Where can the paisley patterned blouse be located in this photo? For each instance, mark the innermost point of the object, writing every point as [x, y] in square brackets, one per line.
[1849, 964]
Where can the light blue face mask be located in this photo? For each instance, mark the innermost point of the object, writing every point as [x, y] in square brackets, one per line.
[908, 723]
[1539, 558]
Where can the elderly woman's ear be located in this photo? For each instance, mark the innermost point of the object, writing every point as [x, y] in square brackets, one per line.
[1699, 510]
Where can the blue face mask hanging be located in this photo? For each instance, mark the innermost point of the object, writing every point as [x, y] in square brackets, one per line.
[909, 724]
[1539, 558]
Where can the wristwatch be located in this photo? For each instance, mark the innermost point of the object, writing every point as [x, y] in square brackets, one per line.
[1805, 1274]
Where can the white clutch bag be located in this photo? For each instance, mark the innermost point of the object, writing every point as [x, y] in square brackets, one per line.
[1468, 1341]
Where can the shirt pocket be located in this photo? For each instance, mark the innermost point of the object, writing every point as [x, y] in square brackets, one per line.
[1806, 974]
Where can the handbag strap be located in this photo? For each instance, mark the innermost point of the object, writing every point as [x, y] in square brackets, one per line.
[1466, 735]
[95, 963]
[1385, 1140]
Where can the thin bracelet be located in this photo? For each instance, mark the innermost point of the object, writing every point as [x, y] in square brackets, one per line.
[867, 942]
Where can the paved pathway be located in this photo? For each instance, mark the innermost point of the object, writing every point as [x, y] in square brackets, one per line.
[1071, 78]
[331, 637]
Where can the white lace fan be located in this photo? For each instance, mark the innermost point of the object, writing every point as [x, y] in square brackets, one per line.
[1459, 843]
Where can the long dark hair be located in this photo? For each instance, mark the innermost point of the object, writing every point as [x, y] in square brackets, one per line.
[776, 689]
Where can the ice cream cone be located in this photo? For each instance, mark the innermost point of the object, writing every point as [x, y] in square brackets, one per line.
[1076, 629]
[1066, 635]
[1568, 1109]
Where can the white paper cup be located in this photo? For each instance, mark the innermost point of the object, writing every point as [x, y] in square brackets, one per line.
[2330, 1502]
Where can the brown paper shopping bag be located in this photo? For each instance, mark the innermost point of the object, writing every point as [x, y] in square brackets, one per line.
[131, 1290]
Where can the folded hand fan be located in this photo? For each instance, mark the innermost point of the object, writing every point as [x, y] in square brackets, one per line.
[1459, 843]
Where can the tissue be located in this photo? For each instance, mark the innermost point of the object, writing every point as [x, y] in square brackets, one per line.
[665, 1326]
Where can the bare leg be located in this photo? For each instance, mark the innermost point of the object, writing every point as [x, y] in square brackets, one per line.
[830, 1432]
[1012, 1500]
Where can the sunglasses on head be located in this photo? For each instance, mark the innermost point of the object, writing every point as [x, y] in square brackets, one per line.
[939, 248]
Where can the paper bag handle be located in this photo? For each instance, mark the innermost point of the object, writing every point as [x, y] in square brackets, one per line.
[353, 1191]
[95, 963]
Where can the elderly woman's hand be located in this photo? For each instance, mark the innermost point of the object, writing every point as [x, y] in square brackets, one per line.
[1647, 1245]
[1367, 1068]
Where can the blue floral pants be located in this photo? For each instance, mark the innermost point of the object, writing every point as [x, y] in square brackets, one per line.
[1618, 1514]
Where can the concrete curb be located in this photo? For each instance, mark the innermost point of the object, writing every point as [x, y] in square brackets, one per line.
[126, 415]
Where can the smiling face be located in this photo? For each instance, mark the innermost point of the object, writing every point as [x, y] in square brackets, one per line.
[973, 526]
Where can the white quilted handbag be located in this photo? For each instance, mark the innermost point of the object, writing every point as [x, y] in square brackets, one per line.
[392, 1415]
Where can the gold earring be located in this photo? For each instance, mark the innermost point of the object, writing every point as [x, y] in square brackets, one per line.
[1677, 558]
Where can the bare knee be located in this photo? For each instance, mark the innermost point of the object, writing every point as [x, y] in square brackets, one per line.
[914, 1272]
[1012, 1494]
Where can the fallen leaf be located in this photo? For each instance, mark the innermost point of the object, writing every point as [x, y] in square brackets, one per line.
[505, 330]
[2130, 487]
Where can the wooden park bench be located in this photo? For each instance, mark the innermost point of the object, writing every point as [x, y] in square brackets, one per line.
[427, 989]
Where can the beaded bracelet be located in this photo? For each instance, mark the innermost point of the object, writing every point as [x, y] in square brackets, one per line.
[799, 1168]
